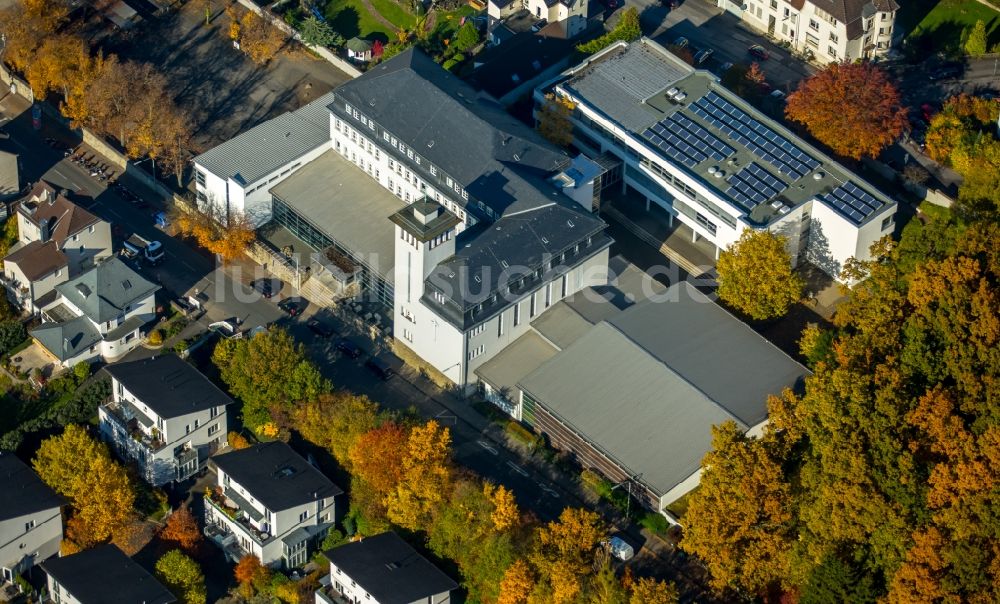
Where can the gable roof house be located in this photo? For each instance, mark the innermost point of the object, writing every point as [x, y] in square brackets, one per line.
[30, 518]
[103, 575]
[383, 569]
[57, 240]
[98, 314]
[165, 416]
[269, 502]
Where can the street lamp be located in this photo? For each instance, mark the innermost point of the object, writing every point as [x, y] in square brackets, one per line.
[152, 159]
[628, 482]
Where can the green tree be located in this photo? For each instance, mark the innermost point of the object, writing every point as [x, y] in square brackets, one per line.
[627, 29]
[81, 371]
[978, 39]
[182, 576]
[756, 276]
[9, 236]
[466, 38]
[554, 120]
[12, 333]
[316, 32]
[267, 369]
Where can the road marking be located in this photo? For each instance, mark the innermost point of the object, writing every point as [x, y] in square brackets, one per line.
[446, 417]
[188, 266]
[517, 468]
[487, 446]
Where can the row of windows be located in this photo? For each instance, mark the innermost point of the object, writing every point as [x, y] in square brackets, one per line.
[680, 184]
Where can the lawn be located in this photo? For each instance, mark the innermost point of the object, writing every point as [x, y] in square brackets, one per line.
[944, 21]
[448, 23]
[394, 13]
[351, 19]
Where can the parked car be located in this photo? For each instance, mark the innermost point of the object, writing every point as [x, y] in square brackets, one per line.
[265, 287]
[290, 306]
[320, 329]
[680, 42]
[379, 368]
[758, 52]
[620, 549]
[946, 72]
[702, 56]
[777, 94]
[161, 220]
[349, 348]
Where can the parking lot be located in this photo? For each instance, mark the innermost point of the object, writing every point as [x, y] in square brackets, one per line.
[225, 92]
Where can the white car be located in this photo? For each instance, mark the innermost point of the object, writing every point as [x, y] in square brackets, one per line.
[620, 549]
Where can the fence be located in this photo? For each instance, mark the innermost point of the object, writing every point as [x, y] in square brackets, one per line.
[326, 53]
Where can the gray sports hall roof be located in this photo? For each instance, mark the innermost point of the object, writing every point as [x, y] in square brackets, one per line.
[629, 405]
[267, 147]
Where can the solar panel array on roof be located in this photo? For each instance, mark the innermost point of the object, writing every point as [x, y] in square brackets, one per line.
[852, 202]
[753, 185]
[755, 136]
[686, 142]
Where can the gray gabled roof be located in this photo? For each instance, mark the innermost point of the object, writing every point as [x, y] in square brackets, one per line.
[67, 339]
[268, 146]
[469, 137]
[103, 292]
[105, 575]
[628, 405]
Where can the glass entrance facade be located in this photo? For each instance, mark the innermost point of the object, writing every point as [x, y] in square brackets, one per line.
[372, 284]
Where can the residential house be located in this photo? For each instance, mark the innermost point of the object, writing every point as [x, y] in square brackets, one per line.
[164, 416]
[828, 31]
[269, 502]
[102, 575]
[57, 241]
[696, 153]
[99, 314]
[30, 518]
[383, 569]
[675, 361]
[572, 14]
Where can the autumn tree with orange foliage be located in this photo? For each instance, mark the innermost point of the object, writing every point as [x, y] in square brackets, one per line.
[250, 574]
[887, 462]
[852, 108]
[229, 236]
[427, 476]
[257, 37]
[517, 584]
[237, 441]
[181, 531]
[377, 457]
[26, 25]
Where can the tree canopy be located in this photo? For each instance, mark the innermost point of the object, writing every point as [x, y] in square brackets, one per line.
[182, 576]
[886, 463]
[181, 531]
[554, 120]
[627, 29]
[756, 276]
[852, 108]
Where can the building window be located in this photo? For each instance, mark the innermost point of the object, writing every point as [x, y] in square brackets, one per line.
[831, 51]
[199, 176]
[834, 38]
[888, 222]
[531, 308]
[548, 294]
[29, 525]
[814, 24]
[478, 329]
[500, 325]
[475, 352]
[774, 4]
[91, 229]
[517, 314]
[213, 429]
[303, 516]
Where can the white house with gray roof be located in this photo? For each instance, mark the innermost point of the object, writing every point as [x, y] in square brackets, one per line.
[830, 31]
[30, 518]
[713, 162]
[236, 176]
[99, 314]
[164, 416]
[631, 383]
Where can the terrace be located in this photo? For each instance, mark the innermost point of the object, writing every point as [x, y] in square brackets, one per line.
[239, 512]
[135, 423]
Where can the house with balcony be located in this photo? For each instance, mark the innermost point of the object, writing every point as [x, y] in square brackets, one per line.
[57, 241]
[269, 502]
[99, 314]
[102, 575]
[164, 416]
[30, 518]
[383, 569]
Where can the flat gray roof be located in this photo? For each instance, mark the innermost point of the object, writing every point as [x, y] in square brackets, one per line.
[561, 325]
[754, 154]
[715, 352]
[516, 361]
[347, 205]
[627, 404]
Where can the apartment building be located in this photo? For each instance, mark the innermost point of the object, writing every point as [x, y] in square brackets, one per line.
[828, 31]
[706, 158]
[99, 314]
[572, 14]
[383, 569]
[102, 575]
[57, 241]
[269, 502]
[30, 518]
[164, 416]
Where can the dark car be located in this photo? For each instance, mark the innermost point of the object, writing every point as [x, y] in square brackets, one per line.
[946, 72]
[319, 329]
[265, 287]
[758, 52]
[349, 348]
[680, 42]
[379, 368]
[290, 306]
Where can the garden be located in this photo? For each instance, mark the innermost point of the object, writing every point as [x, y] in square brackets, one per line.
[945, 25]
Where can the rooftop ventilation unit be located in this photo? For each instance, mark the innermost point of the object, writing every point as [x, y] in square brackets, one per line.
[818, 175]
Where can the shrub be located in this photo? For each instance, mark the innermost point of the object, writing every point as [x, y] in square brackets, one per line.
[155, 337]
[654, 522]
[181, 347]
[523, 435]
[12, 333]
[450, 64]
[81, 371]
